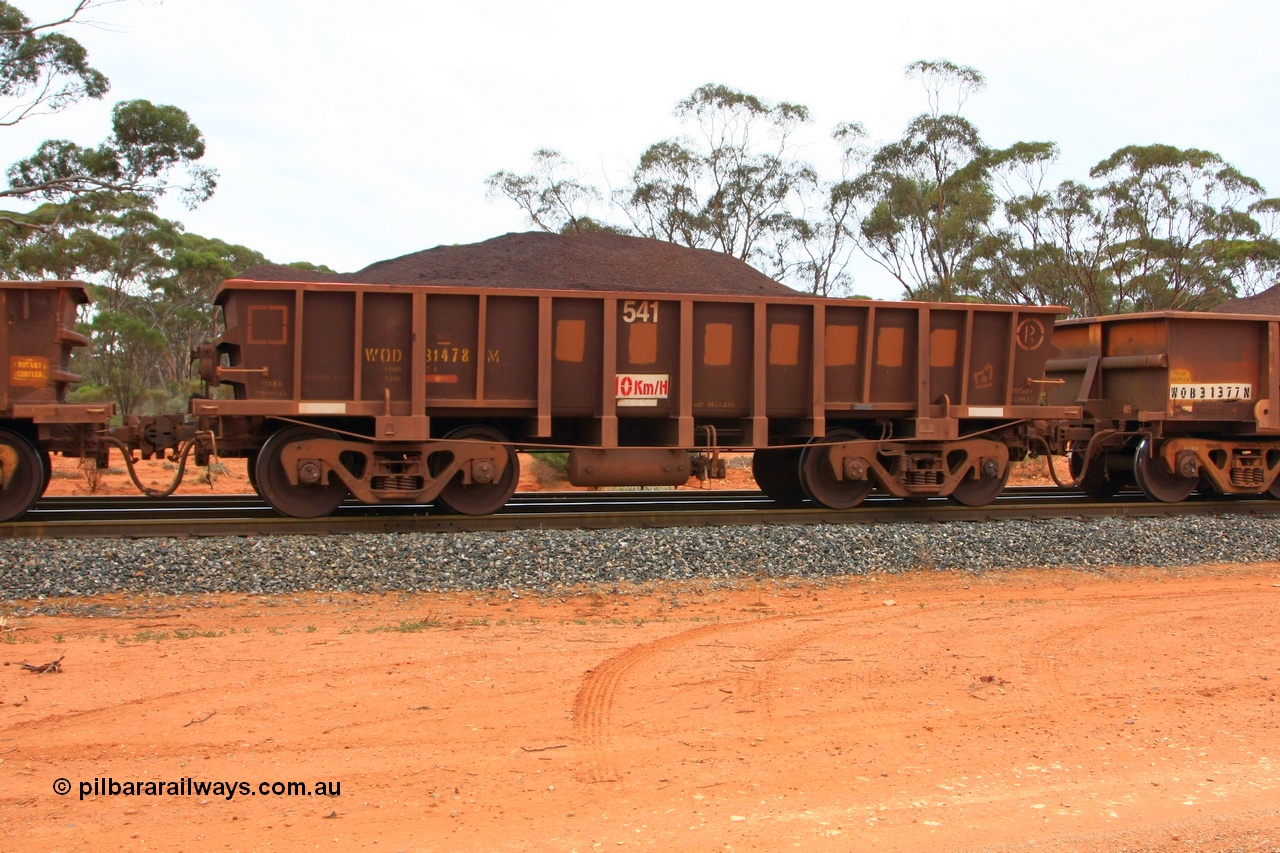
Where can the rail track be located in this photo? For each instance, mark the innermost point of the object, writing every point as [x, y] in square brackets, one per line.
[188, 516]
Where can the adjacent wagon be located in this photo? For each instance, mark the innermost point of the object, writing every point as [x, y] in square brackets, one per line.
[1172, 401]
[37, 338]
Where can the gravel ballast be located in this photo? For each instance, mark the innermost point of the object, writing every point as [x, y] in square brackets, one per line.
[549, 561]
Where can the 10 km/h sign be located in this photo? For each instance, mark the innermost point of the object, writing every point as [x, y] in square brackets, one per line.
[642, 389]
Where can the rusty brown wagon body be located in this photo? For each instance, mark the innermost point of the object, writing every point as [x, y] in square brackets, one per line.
[420, 393]
[37, 338]
[1171, 401]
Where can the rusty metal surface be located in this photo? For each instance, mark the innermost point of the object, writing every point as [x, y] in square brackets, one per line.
[1180, 367]
[37, 337]
[1171, 399]
[623, 379]
[620, 369]
[637, 467]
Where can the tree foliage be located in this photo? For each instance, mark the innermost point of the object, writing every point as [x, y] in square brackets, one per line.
[43, 70]
[89, 211]
[552, 200]
[946, 214]
[1160, 228]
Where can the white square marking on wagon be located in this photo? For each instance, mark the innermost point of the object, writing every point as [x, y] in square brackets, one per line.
[322, 408]
[642, 386]
[986, 412]
[1211, 391]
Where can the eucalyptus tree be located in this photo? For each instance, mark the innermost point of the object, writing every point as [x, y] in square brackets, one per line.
[1182, 221]
[126, 247]
[182, 298]
[152, 149]
[815, 252]
[930, 196]
[733, 184]
[551, 197]
[731, 188]
[43, 70]
[1159, 228]
[88, 210]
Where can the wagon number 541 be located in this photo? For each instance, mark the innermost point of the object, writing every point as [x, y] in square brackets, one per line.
[640, 311]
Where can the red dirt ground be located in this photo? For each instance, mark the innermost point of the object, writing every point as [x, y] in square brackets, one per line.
[1131, 709]
[1115, 711]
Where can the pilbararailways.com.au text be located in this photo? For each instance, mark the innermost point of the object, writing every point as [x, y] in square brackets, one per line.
[106, 786]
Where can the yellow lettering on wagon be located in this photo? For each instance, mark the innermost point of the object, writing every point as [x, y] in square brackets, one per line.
[384, 355]
[448, 354]
[28, 371]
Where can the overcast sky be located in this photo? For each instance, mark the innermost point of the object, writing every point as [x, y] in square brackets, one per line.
[346, 133]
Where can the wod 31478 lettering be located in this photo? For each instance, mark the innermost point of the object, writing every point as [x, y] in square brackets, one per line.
[442, 355]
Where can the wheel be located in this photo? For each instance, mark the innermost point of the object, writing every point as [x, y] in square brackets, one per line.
[302, 500]
[1274, 490]
[481, 498]
[47, 464]
[981, 491]
[22, 475]
[777, 473]
[1155, 482]
[1096, 483]
[251, 471]
[818, 480]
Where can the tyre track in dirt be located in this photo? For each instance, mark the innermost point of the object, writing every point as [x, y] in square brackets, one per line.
[593, 706]
[596, 700]
[874, 718]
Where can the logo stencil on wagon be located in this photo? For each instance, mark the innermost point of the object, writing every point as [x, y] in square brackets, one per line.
[1030, 334]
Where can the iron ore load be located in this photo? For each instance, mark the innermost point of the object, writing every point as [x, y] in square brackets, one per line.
[418, 380]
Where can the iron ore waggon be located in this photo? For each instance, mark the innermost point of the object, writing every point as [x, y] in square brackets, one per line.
[410, 394]
[1172, 401]
[422, 393]
[37, 338]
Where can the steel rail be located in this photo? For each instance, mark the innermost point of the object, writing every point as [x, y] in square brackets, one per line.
[187, 516]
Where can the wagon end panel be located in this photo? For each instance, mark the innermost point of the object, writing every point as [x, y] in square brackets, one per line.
[257, 341]
[1223, 370]
[37, 341]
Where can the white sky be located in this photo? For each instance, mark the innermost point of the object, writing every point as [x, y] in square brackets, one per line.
[346, 133]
